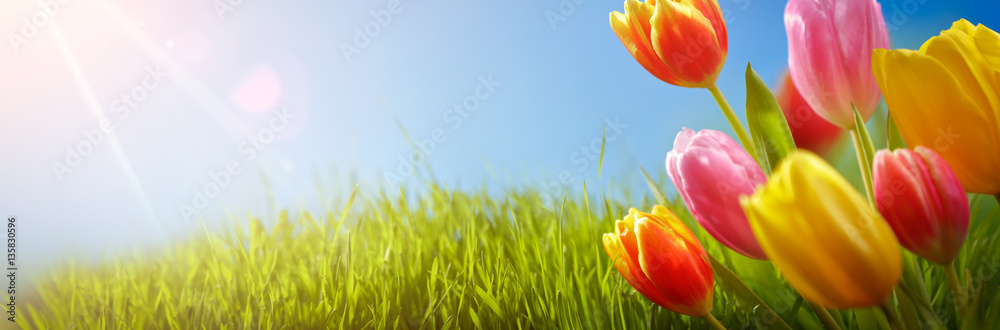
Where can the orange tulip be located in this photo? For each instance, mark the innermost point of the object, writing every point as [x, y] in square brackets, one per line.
[680, 42]
[660, 257]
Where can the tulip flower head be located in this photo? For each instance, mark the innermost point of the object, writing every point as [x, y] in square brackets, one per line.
[923, 201]
[660, 257]
[946, 96]
[830, 43]
[809, 129]
[823, 235]
[711, 172]
[682, 43]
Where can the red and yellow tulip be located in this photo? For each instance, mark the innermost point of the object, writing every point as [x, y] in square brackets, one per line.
[682, 43]
[660, 257]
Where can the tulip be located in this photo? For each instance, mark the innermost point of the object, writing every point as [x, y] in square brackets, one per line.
[810, 131]
[923, 201]
[682, 43]
[711, 171]
[830, 43]
[660, 257]
[946, 96]
[823, 236]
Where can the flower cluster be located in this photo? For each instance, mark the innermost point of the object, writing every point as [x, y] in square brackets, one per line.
[783, 202]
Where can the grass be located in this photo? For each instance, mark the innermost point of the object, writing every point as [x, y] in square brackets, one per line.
[448, 260]
[471, 260]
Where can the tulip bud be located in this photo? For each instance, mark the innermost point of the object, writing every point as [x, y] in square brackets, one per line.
[946, 96]
[810, 131]
[823, 236]
[660, 257]
[711, 172]
[682, 43]
[923, 201]
[830, 45]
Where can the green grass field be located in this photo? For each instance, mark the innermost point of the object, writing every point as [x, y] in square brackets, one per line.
[453, 260]
[470, 260]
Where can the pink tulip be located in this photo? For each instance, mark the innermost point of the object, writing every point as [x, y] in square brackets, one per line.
[711, 171]
[923, 201]
[830, 44]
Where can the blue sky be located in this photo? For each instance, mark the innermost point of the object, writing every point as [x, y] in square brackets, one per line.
[555, 86]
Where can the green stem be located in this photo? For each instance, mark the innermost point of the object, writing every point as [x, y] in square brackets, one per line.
[713, 322]
[864, 161]
[890, 315]
[913, 286]
[923, 306]
[908, 311]
[741, 132]
[824, 317]
[956, 288]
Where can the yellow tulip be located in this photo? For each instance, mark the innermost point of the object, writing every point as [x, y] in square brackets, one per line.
[946, 96]
[821, 233]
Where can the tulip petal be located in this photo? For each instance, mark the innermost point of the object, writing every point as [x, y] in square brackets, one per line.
[683, 139]
[735, 154]
[902, 195]
[988, 43]
[963, 25]
[815, 66]
[987, 40]
[710, 9]
[613, 248]
[710, 171]
[810, 131]
[818, 268]
[665, 218]
[851, 20]
[923, 201]
[664, 256]
[686, 43]
[852, 259]
[627, 252]
[637, 45]
[829, 46]
[714, 182]
[954, 217]
[957, 51]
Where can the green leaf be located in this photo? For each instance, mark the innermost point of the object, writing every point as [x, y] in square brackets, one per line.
[600, 161]
[907, 311]
[488, 299]
[662, 200]
[895, 140]
[914, 290]
[866, 139]
[866, 154]
[729, 280]
[657, 193]
[768, 127]
[869, 318]
[475, 318]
